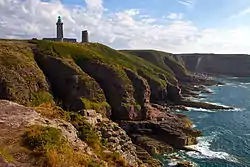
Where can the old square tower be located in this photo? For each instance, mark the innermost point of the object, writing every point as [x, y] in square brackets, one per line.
[60, 34]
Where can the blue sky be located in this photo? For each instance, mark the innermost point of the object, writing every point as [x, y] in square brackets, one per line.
[213, 26]
[204, 13]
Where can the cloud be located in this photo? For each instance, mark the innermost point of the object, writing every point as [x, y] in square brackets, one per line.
[127, 29]
[174, 16]
[187, 3]
[241, 13]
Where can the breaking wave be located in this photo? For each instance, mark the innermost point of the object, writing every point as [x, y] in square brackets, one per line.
[204, 151]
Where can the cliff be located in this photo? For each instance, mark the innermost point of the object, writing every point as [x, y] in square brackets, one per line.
[105, 96]
[236, 65]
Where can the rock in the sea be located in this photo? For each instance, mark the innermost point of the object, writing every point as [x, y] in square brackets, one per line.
[185, 164]
[172, 130]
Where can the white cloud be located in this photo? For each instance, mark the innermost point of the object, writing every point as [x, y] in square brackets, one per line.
[126, 29]
[187, 3]
[174, 16]
[241, 13]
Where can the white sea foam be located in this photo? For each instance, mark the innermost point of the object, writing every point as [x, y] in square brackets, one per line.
[243, 83]
[204, 151]
[174, 158]
[210, 90]
[193, 126]
[199, 109]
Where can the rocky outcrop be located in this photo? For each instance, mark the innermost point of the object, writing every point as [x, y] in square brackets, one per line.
[174, 93]
[169, 132]
[114, 137]
[14, 118]
[21, 80]
[147, 158]
[204, 105]
[76, 89]
[142, 93]
[217, 64]
[158, 91]
[172, 131]
[117, 87]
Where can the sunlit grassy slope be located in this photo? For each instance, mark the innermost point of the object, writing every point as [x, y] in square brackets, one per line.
[99, 52]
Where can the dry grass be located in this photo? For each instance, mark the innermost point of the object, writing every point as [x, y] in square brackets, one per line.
[5, 153]
[52, 149]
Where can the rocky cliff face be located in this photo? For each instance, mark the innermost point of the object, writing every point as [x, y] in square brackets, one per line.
[21, 79]
[15, 119]
[217, 64]
[119, 86]
[70, 84]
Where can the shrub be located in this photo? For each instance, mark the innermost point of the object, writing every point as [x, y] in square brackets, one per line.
[6, 155]
[42, 138]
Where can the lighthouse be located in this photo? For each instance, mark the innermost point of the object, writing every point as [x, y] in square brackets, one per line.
[59, 25]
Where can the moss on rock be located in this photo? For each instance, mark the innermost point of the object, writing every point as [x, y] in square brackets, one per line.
[21, 80]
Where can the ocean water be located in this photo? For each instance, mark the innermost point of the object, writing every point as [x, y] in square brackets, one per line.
[226, 134]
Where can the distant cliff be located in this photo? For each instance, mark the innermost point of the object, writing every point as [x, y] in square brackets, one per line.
[237, 65]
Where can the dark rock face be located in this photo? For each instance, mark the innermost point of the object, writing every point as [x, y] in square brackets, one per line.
[158, 92]
[217, 64]
[172, 130]
[174, 93]
[203, 105]
[142, 93]
[117, 87]
[69, 83]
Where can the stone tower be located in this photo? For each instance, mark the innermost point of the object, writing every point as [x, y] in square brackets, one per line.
[59, 29]
[85, 36]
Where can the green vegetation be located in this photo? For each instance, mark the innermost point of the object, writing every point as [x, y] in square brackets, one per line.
[20, 77]
[161, 59]
[4, 152]
[85, 132]
[40, 97]
[102, 53]
[41, 138]
[99, 107]
[52, 149]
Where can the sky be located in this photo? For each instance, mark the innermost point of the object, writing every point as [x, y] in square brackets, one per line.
[176, 26]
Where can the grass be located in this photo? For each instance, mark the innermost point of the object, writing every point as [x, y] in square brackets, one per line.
[85, 132]
[161, 59]
[4, 152]
[40, 97]
[97, 106]
[41, 138]
[52, 148]
[94, 57]
[102, 53]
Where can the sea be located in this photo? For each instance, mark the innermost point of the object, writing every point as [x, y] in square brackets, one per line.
[226, 133]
